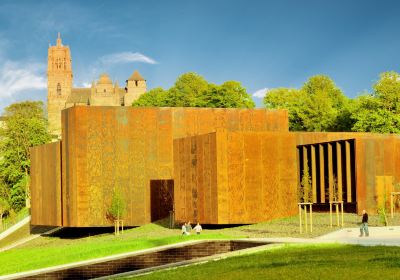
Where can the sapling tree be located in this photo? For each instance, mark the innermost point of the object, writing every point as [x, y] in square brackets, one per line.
[117, 208]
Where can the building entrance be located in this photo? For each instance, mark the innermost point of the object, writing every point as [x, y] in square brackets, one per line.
[161, 198]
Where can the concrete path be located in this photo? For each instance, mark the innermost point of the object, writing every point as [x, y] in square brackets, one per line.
[15, 227]
[388, 236]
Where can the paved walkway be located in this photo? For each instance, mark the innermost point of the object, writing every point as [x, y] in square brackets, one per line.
[386, 236]
[15, 227]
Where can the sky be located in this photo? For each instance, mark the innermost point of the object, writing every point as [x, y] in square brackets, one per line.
[262, 44]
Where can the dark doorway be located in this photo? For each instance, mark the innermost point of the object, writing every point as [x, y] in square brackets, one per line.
[162, 198]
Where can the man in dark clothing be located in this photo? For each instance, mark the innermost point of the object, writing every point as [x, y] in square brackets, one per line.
[364, 224]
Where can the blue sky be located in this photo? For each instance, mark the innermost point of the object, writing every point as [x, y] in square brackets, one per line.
[262, 44]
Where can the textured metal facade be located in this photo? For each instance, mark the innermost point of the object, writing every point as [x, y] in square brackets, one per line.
[46, 185]
[375, 155]
[235, 177]
[106, 147]
[228, 166]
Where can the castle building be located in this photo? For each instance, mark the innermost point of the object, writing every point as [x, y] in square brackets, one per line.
[61, 94]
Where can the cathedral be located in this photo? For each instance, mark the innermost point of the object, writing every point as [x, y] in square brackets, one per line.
[61, 94]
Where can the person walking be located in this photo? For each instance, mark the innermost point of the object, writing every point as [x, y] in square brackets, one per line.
[198, 228]
[184, 229]
[364, 224]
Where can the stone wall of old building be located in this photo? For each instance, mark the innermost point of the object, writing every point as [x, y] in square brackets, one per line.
[62, 95]
[59, 83]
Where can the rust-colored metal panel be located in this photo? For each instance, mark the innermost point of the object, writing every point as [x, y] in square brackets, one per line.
[114, 148]
[222, 177]
[361, 188]
[235, 172]
[348, 172]
[252, 178]
[46, 185]
[383, 189]
[313, 174]
[322, 172]
[339, 170]
[105, 148]
[246, 177]
[195, 189]
[330, 171]
[256, 198]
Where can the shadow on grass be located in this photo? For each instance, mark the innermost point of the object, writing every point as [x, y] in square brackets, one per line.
[77, 233]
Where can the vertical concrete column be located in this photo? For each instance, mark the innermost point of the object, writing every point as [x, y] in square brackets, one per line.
[348, 171]
[339, 170]
[322, 172]
[313, 174]
[330, 171]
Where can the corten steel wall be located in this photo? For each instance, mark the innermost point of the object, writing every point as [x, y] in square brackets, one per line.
[104, 147]
[197, 121]
[377, 163]
[235, 177]
[195, 179]
[377, 169]
[46, 185]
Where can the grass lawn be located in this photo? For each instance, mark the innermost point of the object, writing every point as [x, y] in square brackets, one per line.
[296, 262]
[49, 251]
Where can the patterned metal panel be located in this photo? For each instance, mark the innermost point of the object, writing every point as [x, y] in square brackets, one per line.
[120, 147]
[46, 184]
[255, 177]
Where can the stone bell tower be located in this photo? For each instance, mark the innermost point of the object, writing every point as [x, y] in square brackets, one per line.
[135, 87]
[59, 83]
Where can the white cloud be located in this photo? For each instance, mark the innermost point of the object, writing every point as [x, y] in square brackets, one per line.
[18, 77]
[86, 85]
[260, 93]
[126, 57]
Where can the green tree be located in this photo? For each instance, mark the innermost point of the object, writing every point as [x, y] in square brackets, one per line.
[155, 97]
[380, 111]
[117, 209]
[118, 205]
[318, 106]
[324, 103]
[230, 94]
[25, 126]
[305, 191]
[192, 90]
[290, 99]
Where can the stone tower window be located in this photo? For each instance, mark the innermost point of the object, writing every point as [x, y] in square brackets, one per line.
[136, 83]
[58, 89]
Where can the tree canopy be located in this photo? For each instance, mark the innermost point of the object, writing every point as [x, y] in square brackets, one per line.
[24, 126]
[317, 106]
[379, 111]
[192, 90]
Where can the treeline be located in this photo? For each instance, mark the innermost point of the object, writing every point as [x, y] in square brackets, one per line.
[192, 90]
[24, 125]
[319, 105]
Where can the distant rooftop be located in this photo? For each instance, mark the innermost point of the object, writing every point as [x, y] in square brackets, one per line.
[136, 77]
